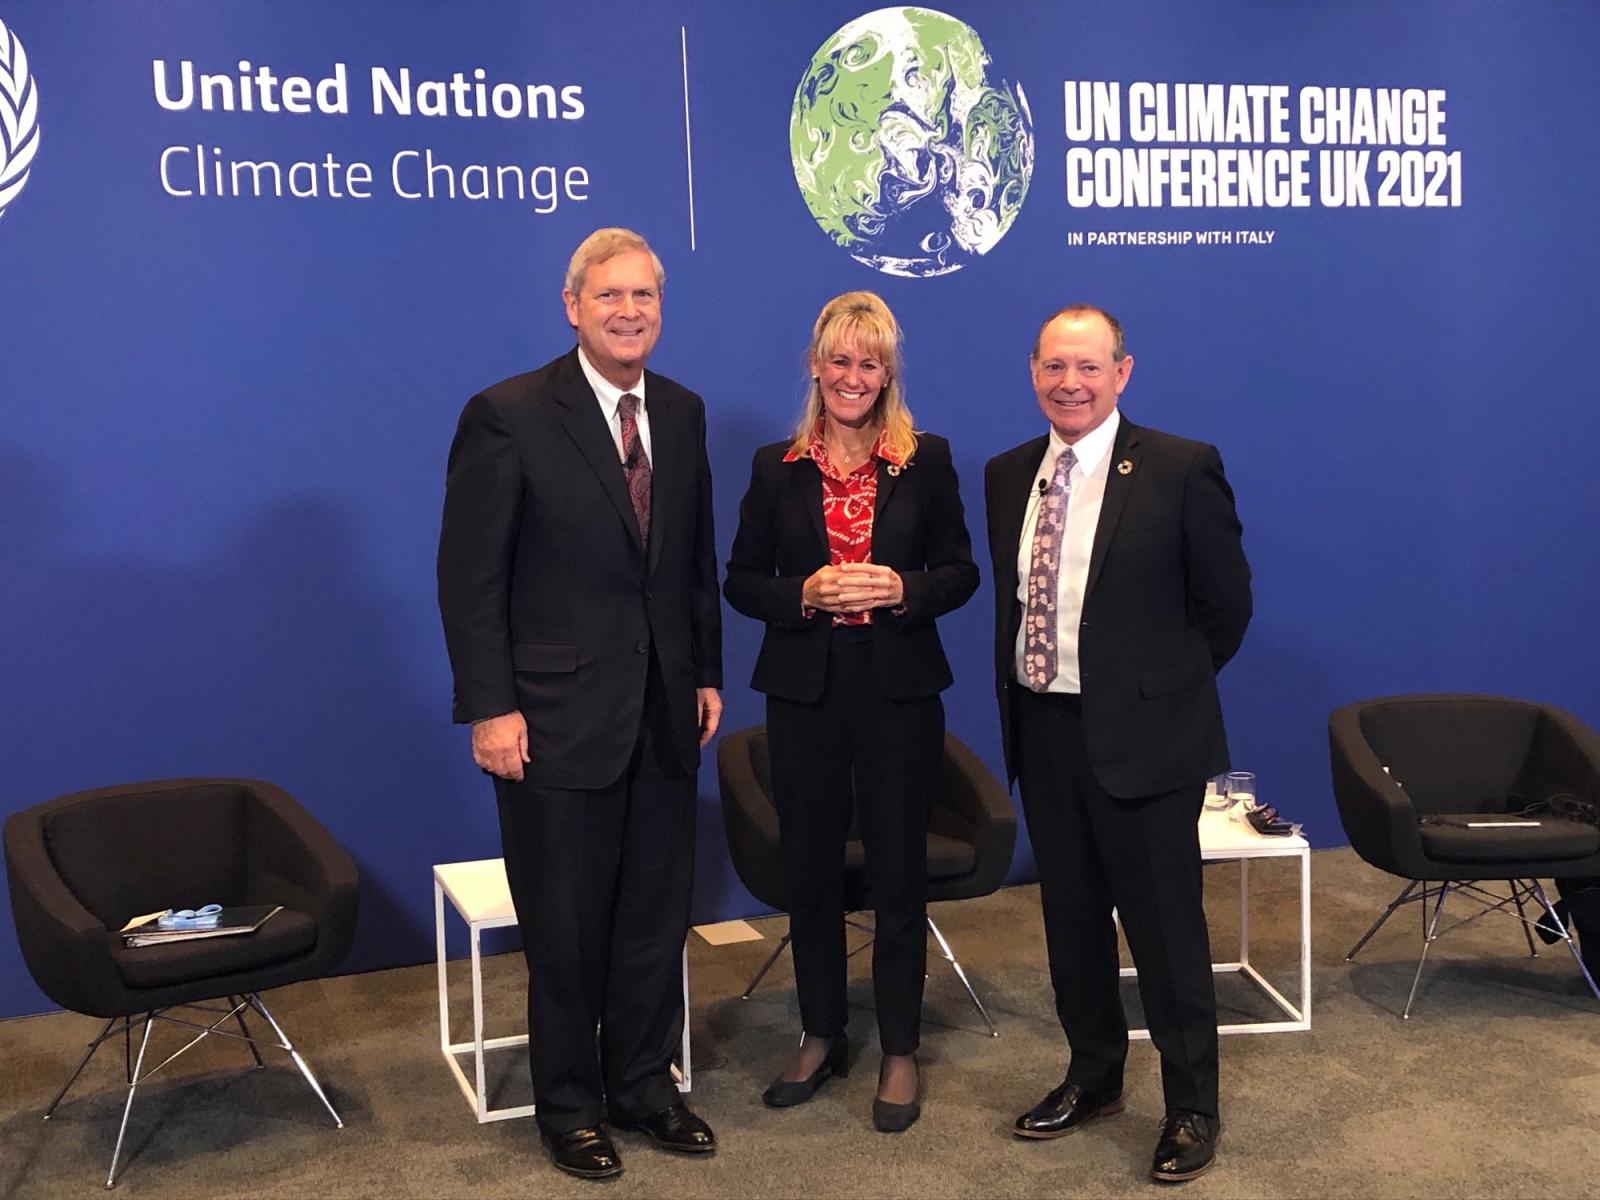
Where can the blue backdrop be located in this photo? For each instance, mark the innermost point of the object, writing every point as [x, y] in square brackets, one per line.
[225, 418]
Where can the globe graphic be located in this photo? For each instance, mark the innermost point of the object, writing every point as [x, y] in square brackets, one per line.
[908, 154]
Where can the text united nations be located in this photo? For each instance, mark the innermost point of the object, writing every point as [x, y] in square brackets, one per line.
[414, 173]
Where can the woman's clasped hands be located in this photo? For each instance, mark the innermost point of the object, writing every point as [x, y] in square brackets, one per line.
[853, 587]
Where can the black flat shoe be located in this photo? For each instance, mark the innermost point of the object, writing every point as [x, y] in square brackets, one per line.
[889, 1117]
[586, 1153]
[674, 1128]
[1066, 1110]
[1187, 1147]
[785, 1093]
[894, 1118]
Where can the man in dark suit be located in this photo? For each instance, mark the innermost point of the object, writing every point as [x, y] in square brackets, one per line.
[578, 587]
[1121, 588]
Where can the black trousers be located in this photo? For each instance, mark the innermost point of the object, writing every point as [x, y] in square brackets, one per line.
[1094, 852]
[601, 881]
[857, 752]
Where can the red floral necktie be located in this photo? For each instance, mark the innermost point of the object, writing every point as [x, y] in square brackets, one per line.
[635, 463]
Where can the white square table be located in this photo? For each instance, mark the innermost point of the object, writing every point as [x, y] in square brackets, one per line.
[1221, 840]
[479, 893]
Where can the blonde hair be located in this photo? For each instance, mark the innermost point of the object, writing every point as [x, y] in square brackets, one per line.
[605, 244]
[864, 319]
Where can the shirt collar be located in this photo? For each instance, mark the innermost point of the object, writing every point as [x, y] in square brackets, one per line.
[817, 451]
[608, 393]
[1092, 449]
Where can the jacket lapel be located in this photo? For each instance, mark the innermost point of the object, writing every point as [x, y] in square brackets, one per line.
[809, 480]
[1012, 506]
[1119, 482]
[888, 482]
[586, 426]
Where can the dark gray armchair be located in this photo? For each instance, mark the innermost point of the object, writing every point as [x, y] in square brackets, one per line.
[81, 866]
[1415, 778]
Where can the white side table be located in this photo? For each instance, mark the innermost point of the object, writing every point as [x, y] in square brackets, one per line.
[1222, 839]
[480, 895]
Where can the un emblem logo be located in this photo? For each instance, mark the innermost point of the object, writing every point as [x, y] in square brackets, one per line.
[19, 118]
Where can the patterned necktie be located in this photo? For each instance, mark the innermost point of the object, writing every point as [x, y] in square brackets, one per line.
[1044, 577]
[635, 464]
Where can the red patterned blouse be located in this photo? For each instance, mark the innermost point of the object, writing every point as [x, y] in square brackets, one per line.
[847, 505]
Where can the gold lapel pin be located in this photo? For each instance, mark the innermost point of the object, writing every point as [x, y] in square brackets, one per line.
[1125, 467]
[894, 468]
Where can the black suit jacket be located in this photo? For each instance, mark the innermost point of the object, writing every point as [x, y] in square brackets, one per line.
[918, 528]
[551, 604]
[1165, 606]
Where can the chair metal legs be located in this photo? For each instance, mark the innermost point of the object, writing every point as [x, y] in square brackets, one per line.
[783, 944]
[938, 936]
[83, 1062]
[1429, 934]
[1527, 925]
[949, 957]
[1402, 898]
[127, 1108]
[1566, 935]
[283, 1043]
[1521, 890]
[137, 1074]
[238, 1015]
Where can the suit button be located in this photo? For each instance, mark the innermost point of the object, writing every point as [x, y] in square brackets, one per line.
[643, 647]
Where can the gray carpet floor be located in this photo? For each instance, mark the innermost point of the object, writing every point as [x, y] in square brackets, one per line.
[1492, 1088]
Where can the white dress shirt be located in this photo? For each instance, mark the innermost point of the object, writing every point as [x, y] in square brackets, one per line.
[610, 396]
[1088, 483]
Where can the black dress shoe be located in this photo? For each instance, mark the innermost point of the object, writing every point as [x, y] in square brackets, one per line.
[784, 1093]
[1187, 1147]
[1546, 928]
[586, 1152]
[889, 1117]
[674, 1128]
[1066, 1110]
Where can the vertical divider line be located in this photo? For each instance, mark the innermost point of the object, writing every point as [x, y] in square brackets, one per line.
[688, 140]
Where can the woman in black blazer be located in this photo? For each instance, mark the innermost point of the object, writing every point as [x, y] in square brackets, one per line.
[851, 542]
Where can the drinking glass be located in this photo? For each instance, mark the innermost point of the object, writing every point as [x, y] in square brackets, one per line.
[1216, 799]
[1240, 789]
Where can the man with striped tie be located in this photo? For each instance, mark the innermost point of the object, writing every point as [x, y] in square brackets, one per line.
[578, 586]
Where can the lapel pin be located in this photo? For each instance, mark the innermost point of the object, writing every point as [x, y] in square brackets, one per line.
[1125, 467]
[894, 468]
